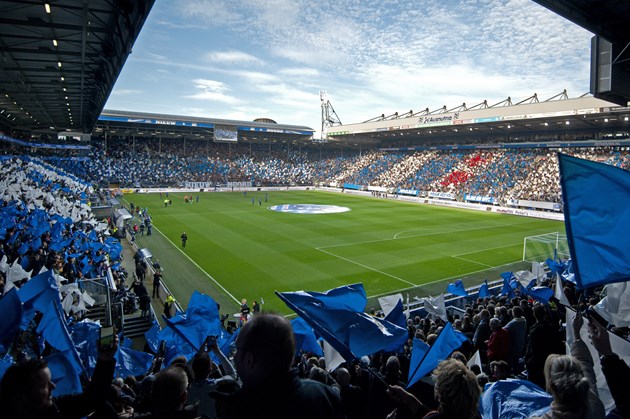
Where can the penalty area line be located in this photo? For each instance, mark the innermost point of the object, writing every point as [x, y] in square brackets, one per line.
[366, 267]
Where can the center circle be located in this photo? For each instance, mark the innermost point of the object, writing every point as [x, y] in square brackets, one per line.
[309, 208]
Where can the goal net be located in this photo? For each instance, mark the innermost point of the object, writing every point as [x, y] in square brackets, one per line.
[543, 246]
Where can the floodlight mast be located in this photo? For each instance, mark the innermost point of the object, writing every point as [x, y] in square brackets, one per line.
[329, 116]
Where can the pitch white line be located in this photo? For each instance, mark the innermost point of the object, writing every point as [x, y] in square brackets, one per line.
[487, 248]
[436, 281]
[199, 267]
[366, 267]
[472, 261]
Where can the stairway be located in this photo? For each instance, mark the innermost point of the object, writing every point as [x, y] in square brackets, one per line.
[136, 326]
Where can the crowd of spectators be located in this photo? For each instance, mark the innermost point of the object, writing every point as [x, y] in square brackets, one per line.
[261, 375]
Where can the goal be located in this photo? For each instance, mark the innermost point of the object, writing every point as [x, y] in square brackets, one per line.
[543, 246]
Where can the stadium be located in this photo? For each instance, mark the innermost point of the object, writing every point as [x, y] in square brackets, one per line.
[428, 226]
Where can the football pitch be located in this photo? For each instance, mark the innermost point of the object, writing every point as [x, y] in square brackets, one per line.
[237, 249]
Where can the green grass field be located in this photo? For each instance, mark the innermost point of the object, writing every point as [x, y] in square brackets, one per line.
[238, 250]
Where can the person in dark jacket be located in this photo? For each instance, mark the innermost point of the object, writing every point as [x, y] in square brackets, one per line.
[544, 339]
[26, 390]
[271, 388]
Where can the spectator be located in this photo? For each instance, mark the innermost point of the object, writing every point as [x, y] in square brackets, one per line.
[544, 340]
[26, 390]
[456, 391]
[264, 354]
[570, 380]
[499, 341]
[517, 331]
[169, 394]
[482, 334]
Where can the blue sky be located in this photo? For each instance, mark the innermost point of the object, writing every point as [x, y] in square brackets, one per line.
[245, 59]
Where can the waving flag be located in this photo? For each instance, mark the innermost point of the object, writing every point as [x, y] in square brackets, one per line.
[423, 363]
[132, 362]
[200, 320]
[351, 333]
[598, 231]
[507, 288]
[514, 399]
[11, 315]
[435, 306]
[349, 297]
[483, 290]
[457, 288]
[305, 339]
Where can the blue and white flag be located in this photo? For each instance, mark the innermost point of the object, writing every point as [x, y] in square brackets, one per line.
[513, 399]
[422, 363]
[598, 230]
[351, 333]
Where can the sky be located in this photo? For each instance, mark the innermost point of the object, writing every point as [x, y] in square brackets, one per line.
[248, 59]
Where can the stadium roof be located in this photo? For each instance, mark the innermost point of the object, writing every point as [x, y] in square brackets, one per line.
[607, 18]
[504, 120]
[125, 123]
[59, 59]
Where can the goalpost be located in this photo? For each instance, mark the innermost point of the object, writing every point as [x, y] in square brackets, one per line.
[543, 246]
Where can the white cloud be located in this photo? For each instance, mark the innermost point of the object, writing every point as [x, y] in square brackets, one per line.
[232, 57]
[126, 92]
[212, 90]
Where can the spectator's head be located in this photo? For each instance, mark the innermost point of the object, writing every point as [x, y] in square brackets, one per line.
[495, 324]
[264, 349]
[456, 389]
[201, 365]
[343, 376]
[517, 312]
[459, 356]
[484, 314]
[392, 367]
[26, 388]
[540, 313]
[170, 390]
[500, 369]
[317, 374]
[566, 382]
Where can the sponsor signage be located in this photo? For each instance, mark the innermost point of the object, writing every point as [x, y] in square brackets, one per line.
[155, 121]
[436, 120]
[479, 198]
[413, 192]
[441, 195]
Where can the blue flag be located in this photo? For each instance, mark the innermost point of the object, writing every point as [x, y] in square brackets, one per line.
[507, 288]
[352, 333]
[10, 315]
[132, 362]
[63, 374]
[152, 337]
[596, 201]
[200, 320]
[349, 297]
[447, 341]
[305, 339]
[54, 329]
[483, 290]
[542, 294]
[513, 399]
[39, 291]
[457, 288]
[224, 340]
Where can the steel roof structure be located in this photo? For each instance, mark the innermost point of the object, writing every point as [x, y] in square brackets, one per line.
[59, 60]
